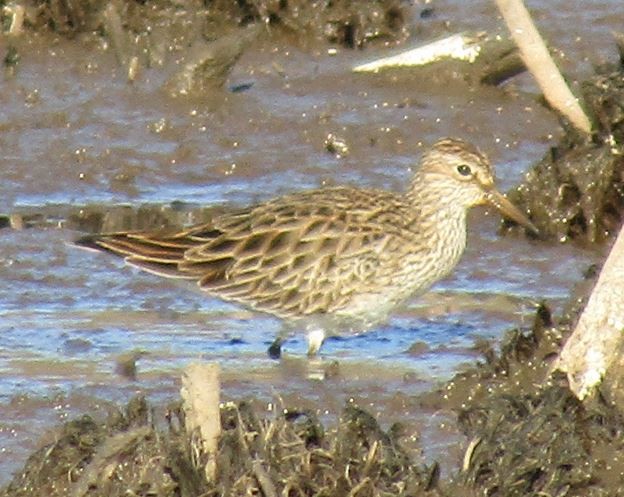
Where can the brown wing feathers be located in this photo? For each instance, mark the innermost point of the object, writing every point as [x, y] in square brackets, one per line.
[271, 257]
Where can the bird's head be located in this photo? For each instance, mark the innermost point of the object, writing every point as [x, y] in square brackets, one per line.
[464, 175]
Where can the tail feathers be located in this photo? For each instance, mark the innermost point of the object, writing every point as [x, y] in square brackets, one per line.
[159, 256]
[88, 242]
[167, 270]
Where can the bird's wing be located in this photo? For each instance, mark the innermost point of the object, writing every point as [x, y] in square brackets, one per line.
[298, 254]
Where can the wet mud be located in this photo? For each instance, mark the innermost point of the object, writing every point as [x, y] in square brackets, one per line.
[147, 113]
[527, 436]
[577, 190]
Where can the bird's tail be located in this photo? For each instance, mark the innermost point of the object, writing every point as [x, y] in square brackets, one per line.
[157, 254]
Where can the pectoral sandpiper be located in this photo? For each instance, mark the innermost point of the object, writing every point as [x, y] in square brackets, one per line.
[331, 258]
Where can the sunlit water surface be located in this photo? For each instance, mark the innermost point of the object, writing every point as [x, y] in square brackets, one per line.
[67, 316]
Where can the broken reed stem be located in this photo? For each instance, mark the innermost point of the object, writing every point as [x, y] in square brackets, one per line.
[541, 65]
[355, 490]
[200, 395]
[264, 480]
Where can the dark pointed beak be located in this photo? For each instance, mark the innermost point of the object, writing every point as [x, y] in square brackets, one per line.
[509, 210]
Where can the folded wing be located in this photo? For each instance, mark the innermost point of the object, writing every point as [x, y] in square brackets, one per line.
[296, 255]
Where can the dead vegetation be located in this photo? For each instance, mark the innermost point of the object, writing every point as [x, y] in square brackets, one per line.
[576, 192]
[347, 23]
[290, 454]
[524, 437]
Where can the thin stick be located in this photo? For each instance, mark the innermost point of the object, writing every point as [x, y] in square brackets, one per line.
[264, 480]
[541, 65]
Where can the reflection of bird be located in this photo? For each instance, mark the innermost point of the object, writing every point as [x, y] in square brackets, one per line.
[331, 258]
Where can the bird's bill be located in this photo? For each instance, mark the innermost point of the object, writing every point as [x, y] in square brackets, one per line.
[509, 210]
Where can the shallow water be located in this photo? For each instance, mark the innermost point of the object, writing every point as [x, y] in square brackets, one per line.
[75, 132]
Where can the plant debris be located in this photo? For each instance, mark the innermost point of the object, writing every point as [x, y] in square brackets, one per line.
[290, 454]
[577, 190]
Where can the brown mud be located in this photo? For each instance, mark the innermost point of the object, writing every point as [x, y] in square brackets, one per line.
[516, 433]
[577, 190]
[527, 437]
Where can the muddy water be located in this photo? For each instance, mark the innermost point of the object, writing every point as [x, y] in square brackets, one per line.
[75, 132]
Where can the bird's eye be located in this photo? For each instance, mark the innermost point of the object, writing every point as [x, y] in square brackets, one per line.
[464, 170]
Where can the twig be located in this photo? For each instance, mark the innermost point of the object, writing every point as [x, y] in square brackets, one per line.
[354, 491]
[104, 463]
[541, 65]
[264, 480]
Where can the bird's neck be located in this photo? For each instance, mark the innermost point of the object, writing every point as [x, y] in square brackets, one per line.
[438, 201]
[440, 220]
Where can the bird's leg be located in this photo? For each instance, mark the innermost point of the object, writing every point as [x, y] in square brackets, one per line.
[316, 337]
[275, 349]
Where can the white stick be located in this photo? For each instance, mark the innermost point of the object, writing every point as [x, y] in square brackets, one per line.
[598, 336]
[458, 46]
[200, 393]
[539, 62]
